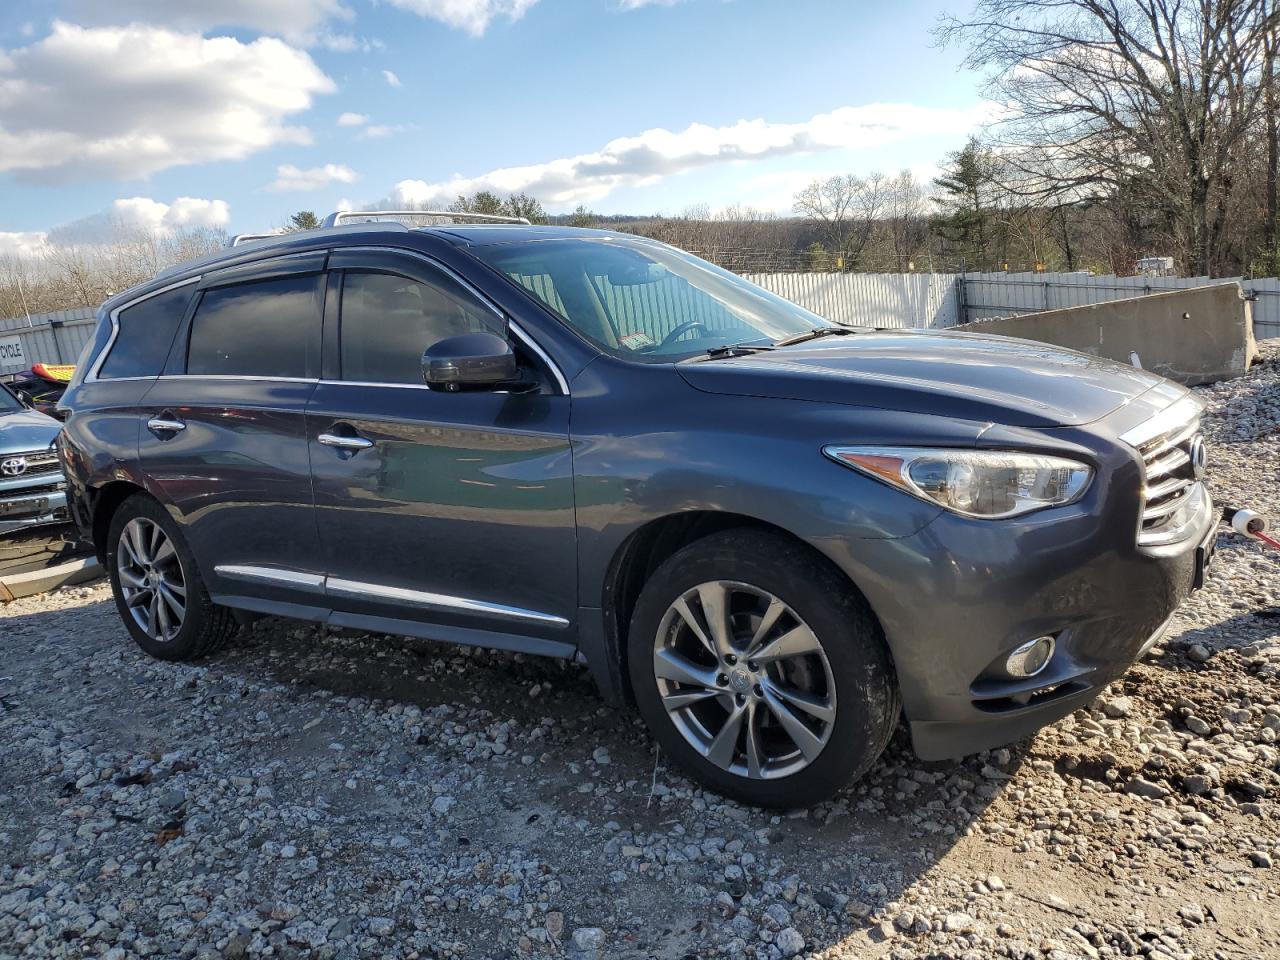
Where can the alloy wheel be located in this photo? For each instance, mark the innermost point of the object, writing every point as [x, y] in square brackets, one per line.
[151, 579]
[744, 679]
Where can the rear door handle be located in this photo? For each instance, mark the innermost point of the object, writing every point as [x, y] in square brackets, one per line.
[163, 424]
[344, 442]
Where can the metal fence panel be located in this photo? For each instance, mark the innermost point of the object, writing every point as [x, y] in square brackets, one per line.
[55, 337]
[872, 299]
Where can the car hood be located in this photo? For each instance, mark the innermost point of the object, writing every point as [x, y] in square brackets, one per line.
[963, 375]
[26, 430]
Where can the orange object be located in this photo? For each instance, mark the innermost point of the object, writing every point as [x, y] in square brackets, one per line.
[55, 373]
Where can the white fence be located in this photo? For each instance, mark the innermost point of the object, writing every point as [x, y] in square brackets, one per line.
[872, 299]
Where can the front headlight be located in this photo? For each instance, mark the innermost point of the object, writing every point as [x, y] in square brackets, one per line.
[987, 484]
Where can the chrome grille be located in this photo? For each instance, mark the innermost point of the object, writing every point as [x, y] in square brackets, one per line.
[1169, 475]
[38, 462]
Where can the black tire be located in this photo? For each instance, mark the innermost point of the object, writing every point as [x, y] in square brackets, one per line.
[205, 627]
[866, 692]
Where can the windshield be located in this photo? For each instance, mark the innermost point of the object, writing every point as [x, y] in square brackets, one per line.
[647, 301]
[8, 402]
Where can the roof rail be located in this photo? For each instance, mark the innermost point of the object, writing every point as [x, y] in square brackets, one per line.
[240, 238]
[435, 216]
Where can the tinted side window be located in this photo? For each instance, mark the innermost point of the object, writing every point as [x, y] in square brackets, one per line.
[270, 328]
[387, 322]
[146, 333]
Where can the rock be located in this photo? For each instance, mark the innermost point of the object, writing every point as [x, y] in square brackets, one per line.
[1145, 788]
[789, 941]
[381, 926]
[957, 923]
[1197, 784]
[882, 931]
[1197, 726]
[442, 805]
[778, 915]
[1260, 858]
[601, 756]
[1198, 653]
[588, 939]
[1117, 707]
[1192, 913]
[856, 908]
[553, 923]
[994, 883]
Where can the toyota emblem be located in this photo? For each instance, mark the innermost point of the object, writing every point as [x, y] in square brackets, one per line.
[13, 467]
[1199, 457]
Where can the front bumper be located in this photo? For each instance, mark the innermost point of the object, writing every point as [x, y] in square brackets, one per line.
[959, 596]
[52, 508]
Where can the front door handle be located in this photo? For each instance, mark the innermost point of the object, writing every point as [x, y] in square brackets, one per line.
[165, 424]
[344, 442]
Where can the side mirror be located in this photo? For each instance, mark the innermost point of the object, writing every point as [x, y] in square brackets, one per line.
[25, 399]
[469, 361]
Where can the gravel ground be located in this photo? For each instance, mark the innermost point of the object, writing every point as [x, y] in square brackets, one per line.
[319, 794]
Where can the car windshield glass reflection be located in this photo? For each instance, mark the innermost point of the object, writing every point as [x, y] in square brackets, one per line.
[647, 301]
[8, 402]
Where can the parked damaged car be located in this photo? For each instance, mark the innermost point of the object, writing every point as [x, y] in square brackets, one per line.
[32, 490]
[773, 535]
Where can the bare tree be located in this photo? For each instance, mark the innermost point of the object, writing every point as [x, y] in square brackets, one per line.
[905, 219]
[1156, 96]
[845, 208]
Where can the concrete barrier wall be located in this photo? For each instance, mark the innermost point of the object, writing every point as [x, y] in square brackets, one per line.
[1199, 335]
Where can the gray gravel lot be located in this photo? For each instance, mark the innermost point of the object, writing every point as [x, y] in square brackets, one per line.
[320, 794]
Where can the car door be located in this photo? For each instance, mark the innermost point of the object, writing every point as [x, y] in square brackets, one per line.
[454, 509]
[224, 437]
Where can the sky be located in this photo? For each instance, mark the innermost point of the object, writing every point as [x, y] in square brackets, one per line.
[165, 114]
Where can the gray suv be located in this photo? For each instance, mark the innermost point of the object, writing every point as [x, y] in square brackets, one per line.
[772, 535]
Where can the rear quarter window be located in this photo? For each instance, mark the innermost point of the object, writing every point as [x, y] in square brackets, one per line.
[146, 332]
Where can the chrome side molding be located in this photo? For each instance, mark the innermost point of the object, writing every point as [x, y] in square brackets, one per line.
[296, 579]
[436, 601]
[335, 586]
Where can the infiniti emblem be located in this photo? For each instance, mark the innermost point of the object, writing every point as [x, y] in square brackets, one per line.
[741, 680]
[1199, 457]
[13, 467]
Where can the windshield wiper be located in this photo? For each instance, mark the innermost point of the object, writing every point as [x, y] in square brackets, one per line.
[814, 334]
[734, 350]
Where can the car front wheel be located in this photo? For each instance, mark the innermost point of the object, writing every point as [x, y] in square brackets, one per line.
[157, 588]
[760, 670]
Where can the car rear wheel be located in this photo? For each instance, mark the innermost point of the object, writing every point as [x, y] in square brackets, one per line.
[760, 670]
[158, 590]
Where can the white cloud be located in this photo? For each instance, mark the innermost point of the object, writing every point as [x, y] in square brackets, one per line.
[342, 42]
[142, 215]
[125, 102]
[391, 78]
[473, 16]
[22, 244]
[349, 119]
[655, 154]
[291, 178]
[637, 4]
[295, 19]
[376, 130]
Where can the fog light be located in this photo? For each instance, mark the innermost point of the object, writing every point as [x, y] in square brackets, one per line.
[1030, 658]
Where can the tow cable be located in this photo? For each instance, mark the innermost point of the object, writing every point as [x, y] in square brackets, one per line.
[1251, 524]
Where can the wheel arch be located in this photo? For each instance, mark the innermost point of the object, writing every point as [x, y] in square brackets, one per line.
[106, 501]
[647, 547]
